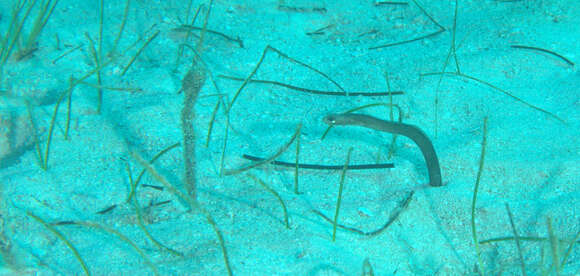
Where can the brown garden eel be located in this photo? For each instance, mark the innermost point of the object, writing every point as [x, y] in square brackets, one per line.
[410, 131]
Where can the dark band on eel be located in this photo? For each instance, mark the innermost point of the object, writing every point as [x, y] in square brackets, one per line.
[410, 131]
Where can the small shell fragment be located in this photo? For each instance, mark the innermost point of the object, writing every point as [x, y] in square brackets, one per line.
[364, 212]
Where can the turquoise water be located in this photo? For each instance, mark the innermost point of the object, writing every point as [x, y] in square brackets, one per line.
[90, 96]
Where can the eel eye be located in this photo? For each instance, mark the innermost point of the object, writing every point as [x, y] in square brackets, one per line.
[330, 120]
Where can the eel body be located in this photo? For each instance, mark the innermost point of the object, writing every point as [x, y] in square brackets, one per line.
[410, 131]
